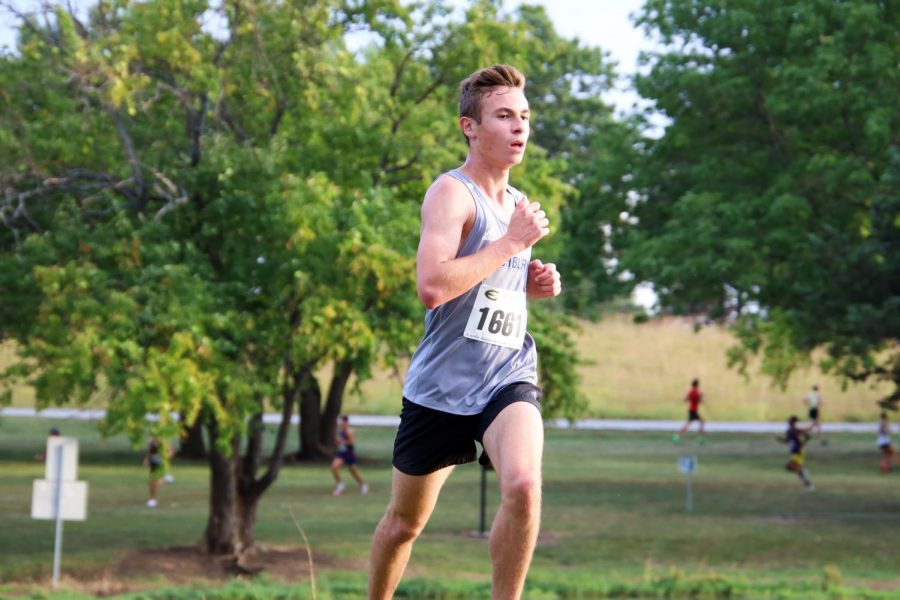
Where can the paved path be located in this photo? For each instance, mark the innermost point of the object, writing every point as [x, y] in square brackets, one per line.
[598, 424]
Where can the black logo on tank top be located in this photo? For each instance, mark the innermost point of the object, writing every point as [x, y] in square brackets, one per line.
[516, 262]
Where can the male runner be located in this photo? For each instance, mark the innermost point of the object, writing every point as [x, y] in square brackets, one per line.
[474, 375]
[154, 459]
[346, 455]
[884, 444]
[814, 402]
[796, 438]
[694, 397]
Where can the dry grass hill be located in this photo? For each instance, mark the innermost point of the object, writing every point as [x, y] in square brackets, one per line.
[643, 371]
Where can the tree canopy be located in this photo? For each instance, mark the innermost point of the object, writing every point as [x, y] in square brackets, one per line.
[771, 199]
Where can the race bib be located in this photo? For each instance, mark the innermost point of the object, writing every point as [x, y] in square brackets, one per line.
[498, 317]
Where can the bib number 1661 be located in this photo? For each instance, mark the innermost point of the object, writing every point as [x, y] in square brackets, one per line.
[498, 317]
[499, 321]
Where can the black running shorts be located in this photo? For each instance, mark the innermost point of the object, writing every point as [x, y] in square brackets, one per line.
[429, 440]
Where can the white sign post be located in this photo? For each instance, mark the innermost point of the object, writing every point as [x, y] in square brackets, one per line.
[59, 497]
[687, 464]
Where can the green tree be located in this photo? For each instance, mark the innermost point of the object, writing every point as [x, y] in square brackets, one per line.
[592, 151]
[176, 264]
[772, 197]
[198, 218]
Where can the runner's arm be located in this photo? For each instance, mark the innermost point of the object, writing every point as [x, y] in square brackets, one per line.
[447, 212]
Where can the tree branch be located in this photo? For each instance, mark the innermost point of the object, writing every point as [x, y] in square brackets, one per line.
[173, 194]
[398, 74]
[82, 30]
[401, 166]
[395, 127]
[224, 116]
[198, 122]
[252, 456]
[131, 156]
[290, 392]
[14, 206]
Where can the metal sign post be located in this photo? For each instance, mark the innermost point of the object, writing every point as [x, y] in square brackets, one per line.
[687, 464]
[59, 497]
[57, 501]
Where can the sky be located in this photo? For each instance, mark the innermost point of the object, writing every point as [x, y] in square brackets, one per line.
[607, 24]
[604, 23]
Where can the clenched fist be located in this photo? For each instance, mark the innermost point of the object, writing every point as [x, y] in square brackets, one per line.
[543, 280]
[528, 224]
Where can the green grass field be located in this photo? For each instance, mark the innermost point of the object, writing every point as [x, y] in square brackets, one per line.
[614, 523]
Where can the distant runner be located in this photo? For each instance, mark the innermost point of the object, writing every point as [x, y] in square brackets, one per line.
[154, 459]
[796, 438]
[346, 455]
[885, 445]
[694, 397]
[814, 402]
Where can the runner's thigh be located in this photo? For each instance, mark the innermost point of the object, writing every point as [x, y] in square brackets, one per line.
[515, 441]
[413, 497]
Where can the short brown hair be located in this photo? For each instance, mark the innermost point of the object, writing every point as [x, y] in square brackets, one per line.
[481, 83]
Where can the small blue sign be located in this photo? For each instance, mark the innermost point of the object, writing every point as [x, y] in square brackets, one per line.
[687, 463]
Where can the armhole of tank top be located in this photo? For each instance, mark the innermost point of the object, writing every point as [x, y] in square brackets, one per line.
[473, 193]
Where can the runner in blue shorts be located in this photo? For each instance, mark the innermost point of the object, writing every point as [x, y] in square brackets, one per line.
[796, 439]
[346, 455]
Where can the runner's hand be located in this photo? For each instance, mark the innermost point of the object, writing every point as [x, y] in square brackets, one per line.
[528, 224]
[543, 280]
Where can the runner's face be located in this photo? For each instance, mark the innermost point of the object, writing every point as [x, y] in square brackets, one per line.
[502, 135]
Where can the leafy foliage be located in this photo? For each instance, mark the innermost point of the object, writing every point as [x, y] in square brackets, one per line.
[772, 196]
[204, 204]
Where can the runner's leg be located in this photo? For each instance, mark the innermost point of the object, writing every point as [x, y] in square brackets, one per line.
[412, 501]
[514, 442]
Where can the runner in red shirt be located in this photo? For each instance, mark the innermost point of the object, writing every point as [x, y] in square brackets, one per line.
[694, 397]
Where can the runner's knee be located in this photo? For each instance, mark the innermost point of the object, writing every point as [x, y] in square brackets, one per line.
[402, 527]
[522, 495]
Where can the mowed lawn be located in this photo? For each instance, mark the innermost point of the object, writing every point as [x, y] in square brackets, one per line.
[614, 515]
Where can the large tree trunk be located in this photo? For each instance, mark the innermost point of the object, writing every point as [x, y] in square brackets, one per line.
[235, 490]
[231, 528]
[317, 428]
[328, 425]
[222, 528]
[191, 445]
[310, 419]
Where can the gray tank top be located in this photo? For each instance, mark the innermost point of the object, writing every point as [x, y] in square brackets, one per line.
[455, 374]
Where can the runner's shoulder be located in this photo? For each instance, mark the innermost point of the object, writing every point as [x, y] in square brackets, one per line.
[448, 195]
